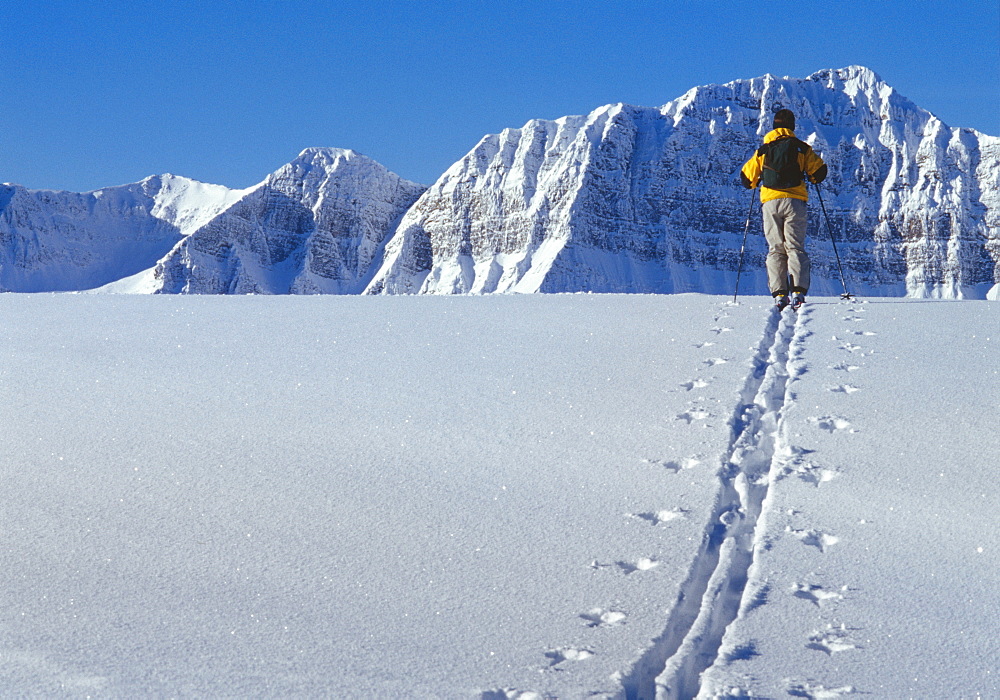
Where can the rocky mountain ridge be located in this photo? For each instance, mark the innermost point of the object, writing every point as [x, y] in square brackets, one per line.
[67, 241]
[625, 199]
[315, 226]
[632, 199]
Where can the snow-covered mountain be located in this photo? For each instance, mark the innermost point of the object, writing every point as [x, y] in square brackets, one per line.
[316, 226]
[59, 241]
[633, 199]
[625, 199]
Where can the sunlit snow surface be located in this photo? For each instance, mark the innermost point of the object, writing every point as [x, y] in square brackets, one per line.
[490, 497]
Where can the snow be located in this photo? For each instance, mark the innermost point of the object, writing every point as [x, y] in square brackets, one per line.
[505, 496]
[65, 241]
[189, 204]
[315, 226]
[638, 199]
[144, 282]
[873, 566]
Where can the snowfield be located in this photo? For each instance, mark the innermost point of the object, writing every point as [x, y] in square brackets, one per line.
[498, 497]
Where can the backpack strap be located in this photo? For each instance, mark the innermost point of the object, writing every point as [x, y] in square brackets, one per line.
[802, 146]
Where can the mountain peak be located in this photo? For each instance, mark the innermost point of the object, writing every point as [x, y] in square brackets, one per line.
[861, 76]
[329, 152]
[646, 200]
[623, 199]
[855, 72]
[328, 156]
[323, 161]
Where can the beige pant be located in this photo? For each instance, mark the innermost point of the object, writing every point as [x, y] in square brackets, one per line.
[785, 231]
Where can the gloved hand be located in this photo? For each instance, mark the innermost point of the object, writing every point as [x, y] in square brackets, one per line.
[818, 176]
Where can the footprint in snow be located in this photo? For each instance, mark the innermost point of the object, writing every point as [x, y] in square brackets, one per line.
[814, 538]
[511, 694]
[818, 595]
[706, 344]
[712, 362]
[661, 516]
[832, 424]
[844, 367]
[864, 332]
[744, 652]
[849, 347]
[832, 640]
[844, 389]
[818, 691]
[693, 415]
[673, 464]
[759, 598]
[719, 330]
[559, 656]
[694, 384]
[790, 453]
[643, 564]
[670, 465]
[598, 617]
[811, 473]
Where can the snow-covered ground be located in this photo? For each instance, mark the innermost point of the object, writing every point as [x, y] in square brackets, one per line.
[498, 497]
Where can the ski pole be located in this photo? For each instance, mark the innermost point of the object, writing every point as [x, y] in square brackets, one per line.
[846, 294]
[746, 229]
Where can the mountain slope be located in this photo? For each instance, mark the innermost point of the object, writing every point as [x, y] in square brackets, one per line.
[632, 199]
[625, 199]
[59, 241]
[313, 227]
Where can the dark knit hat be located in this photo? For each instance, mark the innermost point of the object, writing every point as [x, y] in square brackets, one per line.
[784, 119]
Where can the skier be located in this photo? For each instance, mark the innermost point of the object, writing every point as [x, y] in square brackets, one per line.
[779, 166]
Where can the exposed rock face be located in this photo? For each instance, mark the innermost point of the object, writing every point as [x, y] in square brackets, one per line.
[632, 199]
[59, 241]
[316, 226]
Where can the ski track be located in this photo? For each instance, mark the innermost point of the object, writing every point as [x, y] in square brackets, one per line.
[712, 594]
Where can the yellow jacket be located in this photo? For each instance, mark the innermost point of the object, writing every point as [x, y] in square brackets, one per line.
[809, 162]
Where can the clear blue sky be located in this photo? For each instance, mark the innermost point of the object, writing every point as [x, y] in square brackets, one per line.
[94, 94]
